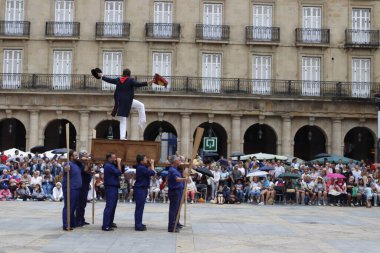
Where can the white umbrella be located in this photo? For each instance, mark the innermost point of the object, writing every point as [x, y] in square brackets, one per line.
[257, 174]
[131, 170]
[11, 152]
[262, 156]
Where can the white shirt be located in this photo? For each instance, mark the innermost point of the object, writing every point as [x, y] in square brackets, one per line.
[216, 176]
[242, 170]
[278, 170]
[57, 194]
[34, 181]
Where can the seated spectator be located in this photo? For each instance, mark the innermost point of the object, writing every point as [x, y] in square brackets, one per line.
[320, 191]
[23, 192]
[334, 194]
[340, 186]
[233, 196]
[235, 175]
[164, 189]
[361, 193]
[224, 176]
[13, 184]
[266, 196]
[99, 186]
[132, 180]
[226, 193]
[239, 191]
[290, 191]
[57, 192]
[25, 178]
[255, 190]
[38, 194]
[299, 190]
[47, 183]
[219, 196]
[376, 193]
[154, 188]
[308, 194]
[59, 177]
[123, 190]
[4, 179]
[191, 190]
[5, 194]
[36, 179]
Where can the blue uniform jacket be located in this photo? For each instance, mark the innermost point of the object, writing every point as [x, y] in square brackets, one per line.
[124, 92]
[86, 176]
[143, 175]
[75, 177]
[173, 173]
[111, 175]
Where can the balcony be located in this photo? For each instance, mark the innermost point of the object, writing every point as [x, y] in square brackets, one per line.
[197, 85]
[162, 32]
[312, 37]
[212, 33]
[112, 31]
[362, 39]
[14, 29]
[262, 35]
[62, 30]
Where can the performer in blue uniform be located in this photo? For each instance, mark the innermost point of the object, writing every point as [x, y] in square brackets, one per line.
[75, 186]
[175, 186]
[86, 179]
[124, 99]
[140, 189]
[112, 172]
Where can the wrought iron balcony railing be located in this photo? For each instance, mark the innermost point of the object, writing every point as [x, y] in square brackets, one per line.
[112, 30]
[362, 38]
[262, 34]
[312, 36]
[62, 29]
[14, 29]
[197, 85]
[212, 33]
[162, 31]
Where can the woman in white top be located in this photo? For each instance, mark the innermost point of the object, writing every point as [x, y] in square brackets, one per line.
[215, 180]
[154, 188]
[191, 190]
[36, 179]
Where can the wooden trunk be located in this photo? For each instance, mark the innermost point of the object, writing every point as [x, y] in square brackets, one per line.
[126, 150]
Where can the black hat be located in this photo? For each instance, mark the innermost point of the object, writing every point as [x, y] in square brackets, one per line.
[95, 72]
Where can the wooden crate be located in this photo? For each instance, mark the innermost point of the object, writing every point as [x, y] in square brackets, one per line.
[126, 150]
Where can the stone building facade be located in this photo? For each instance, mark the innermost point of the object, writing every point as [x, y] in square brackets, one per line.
[276, 76]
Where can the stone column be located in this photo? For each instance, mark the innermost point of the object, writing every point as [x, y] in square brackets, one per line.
[336, 136]
[135, 129]
[235, 133]
[185, 135]
[33, 128]
[286, 136]
[83, 131]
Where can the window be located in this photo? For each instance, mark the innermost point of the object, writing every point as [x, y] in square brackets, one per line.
[262, 22]
[211, 72]
[163, 17]
[162, 64]
[62, 70]
[212, 21]
[312, 24]
[111, 67]
[262, 74]
[14, 17]
[361, 25]
[311, 76]
[113, 18]
[12, 67]
[361, 77]
[64, 17]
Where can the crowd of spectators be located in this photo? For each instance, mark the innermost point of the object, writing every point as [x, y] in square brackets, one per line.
[353, 184]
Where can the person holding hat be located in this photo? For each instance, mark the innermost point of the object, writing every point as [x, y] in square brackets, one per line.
[112, 172]
[140, 188]
[124, 99]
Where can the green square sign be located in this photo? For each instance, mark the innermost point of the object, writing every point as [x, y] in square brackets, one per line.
[210, 144]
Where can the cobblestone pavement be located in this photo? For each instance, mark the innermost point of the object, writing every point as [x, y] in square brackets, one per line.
[36, 227]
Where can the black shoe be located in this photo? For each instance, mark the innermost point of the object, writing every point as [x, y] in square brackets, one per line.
[144, 225]
[67, 229]
[180, 226]
[107, 229]
[86, 223]
[141, 229]
[174, 231]
[113, 225]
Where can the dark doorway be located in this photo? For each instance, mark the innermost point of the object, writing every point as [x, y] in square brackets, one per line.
[165, 133]
[308, 142]
[260, 138]
[12, 134]
[359, 144]
[108, 129]
[55, 134]
[215, 130]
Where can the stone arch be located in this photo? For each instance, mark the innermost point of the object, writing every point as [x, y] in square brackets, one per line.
[309, 141]
[359, 143]
[55, 134]
[12, 134]
[108, 129]
[260, 138]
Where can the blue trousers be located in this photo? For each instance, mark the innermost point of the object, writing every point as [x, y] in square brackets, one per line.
[111, 202]
[174, 198]
[74, 200]
[82, 204]
[140, 195]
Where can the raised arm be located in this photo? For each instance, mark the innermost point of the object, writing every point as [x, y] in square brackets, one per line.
[142, 84]
[110, 80]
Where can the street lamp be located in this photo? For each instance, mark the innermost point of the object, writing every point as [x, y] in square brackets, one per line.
[377, 101]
